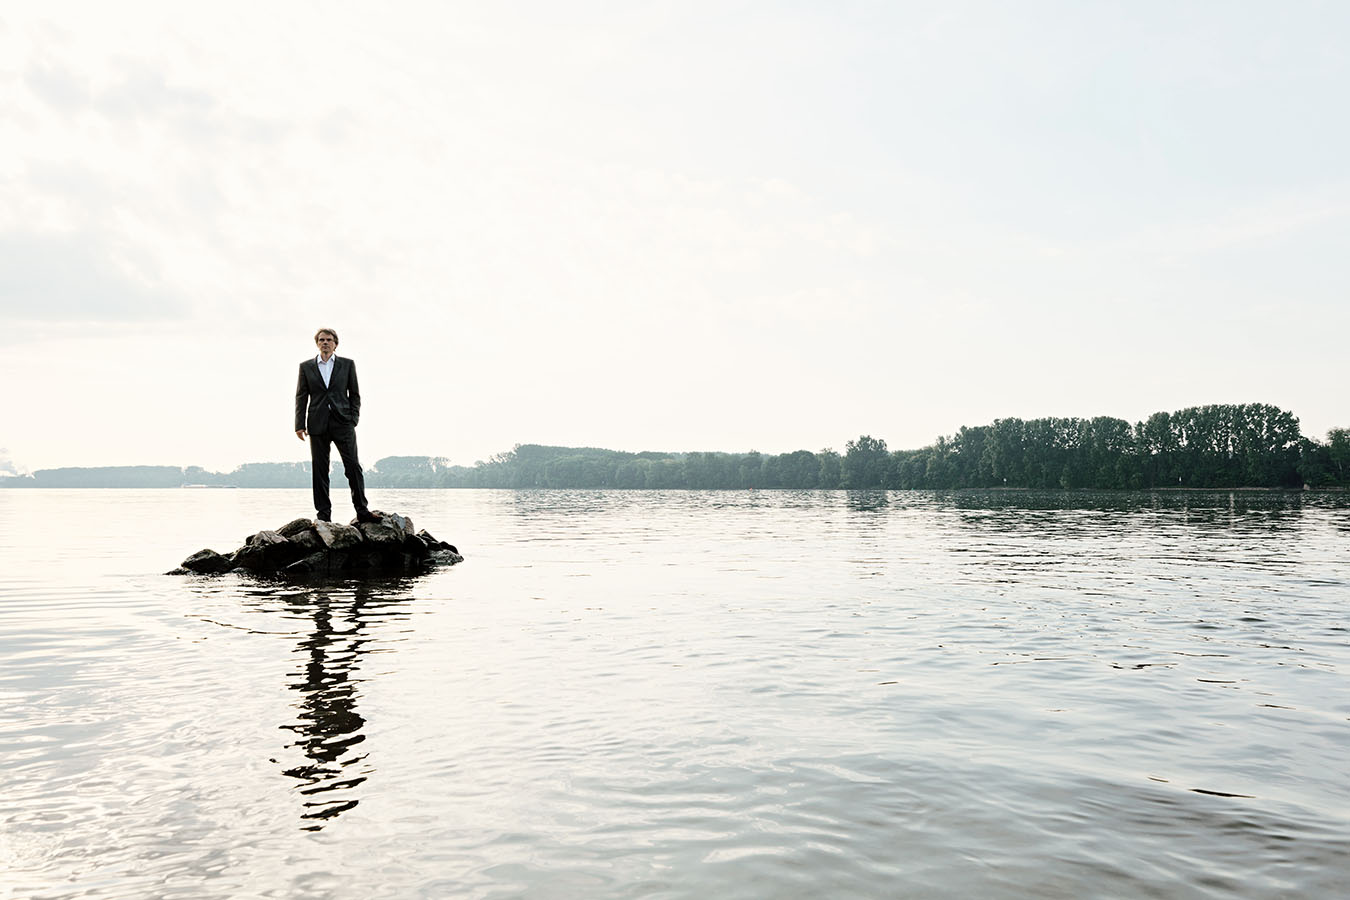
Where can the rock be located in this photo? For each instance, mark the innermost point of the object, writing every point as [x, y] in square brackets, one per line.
[294, 527]
[266, 551]
[306, 549]
[322, 562]
[336, 536]
[381, 532]
[248, 558]
[435, 544]
[308, 539]
[376, 558]
[207, 562]
[392, 527]
[265, 539]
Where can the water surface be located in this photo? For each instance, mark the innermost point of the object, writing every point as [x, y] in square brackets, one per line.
[684, 694]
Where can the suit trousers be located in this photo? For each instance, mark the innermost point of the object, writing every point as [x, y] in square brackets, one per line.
[344, 436]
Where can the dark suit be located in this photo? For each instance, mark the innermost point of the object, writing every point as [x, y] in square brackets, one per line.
[330, 415]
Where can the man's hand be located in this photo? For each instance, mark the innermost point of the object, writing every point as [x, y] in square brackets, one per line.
[300, 434]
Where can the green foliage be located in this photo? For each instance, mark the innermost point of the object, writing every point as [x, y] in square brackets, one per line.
[1224, 446]
[1220, 446]
[866, 463]
[1338, 454]
[830, 473]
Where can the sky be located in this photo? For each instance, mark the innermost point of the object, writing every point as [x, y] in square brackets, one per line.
[662, 225]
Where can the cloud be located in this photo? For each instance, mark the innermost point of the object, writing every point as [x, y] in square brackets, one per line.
[7, 465]
[599, 210]
[79, 277]
[137, 93]
[58, 87]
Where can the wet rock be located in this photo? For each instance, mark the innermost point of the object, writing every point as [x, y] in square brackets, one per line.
[445, 557]
[308, 539]
[306, 549]
[321, 562]
[336, 536]
[381, 532]
[266, 551]
[207, 562]
[265, 539]
[249, 558]
[392, 528]
[294, 527]
[435, 544]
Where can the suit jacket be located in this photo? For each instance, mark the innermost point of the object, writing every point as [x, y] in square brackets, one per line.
[340, 402]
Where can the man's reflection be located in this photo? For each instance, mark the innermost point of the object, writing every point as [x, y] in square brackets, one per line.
[328, 730]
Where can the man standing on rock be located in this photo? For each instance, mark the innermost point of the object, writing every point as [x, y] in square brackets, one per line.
[329, 393]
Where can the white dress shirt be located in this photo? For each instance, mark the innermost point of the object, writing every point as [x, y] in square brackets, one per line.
[325, 368]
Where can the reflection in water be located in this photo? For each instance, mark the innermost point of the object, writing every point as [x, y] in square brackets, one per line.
[1070, 513]
[721, 694]
[539, 502]
[328, 727]
[867, 501]
[544, 503]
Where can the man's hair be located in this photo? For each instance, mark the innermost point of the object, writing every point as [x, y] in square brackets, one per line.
[327, 331]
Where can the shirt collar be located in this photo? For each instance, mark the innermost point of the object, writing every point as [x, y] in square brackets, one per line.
[318, 358]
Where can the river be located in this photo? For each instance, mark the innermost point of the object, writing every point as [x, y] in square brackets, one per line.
[683, 694]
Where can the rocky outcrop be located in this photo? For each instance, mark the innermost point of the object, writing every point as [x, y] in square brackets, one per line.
[304, 548]
[207, 562]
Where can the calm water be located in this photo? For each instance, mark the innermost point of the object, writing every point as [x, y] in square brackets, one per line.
[711, 695]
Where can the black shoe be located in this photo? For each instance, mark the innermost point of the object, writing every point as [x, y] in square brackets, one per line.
[366, 515]
[323, 517]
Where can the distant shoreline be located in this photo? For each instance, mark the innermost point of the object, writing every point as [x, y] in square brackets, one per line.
[1324, 489]
[1239, 447]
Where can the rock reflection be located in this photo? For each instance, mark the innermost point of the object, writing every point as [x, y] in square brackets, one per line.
[329, 728]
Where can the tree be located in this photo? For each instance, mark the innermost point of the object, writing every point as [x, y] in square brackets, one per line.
[865, 462]
[1338, 454]
[830, 469]
[1005, 452]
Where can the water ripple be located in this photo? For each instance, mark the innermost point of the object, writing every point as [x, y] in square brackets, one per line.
[678, 694]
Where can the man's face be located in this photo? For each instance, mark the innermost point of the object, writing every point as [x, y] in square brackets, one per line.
[327, 344]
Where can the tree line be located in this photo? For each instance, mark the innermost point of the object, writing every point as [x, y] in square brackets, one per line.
[1217, 446]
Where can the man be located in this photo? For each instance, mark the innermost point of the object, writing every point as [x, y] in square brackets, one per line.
[329, 394]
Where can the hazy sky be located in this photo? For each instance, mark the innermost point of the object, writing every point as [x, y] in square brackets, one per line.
[662, 225]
